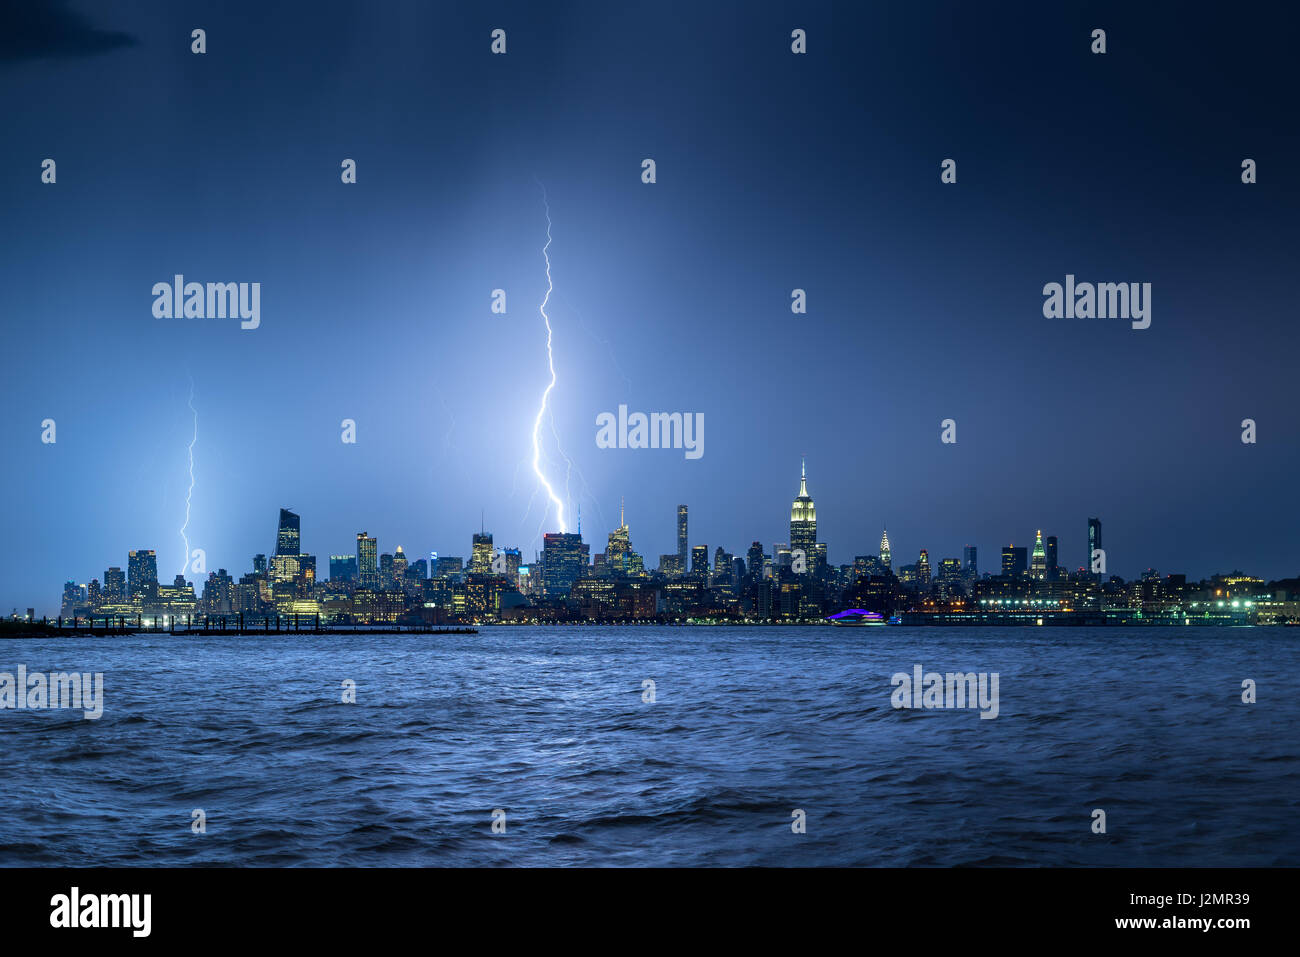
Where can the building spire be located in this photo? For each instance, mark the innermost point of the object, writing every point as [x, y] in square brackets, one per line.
[1038, 565]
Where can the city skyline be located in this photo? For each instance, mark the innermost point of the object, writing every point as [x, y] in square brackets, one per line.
[1084, 547]
[363, 567]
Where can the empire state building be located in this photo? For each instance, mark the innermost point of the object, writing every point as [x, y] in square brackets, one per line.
[803, 520]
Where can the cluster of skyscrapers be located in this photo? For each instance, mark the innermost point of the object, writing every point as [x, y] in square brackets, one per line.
[792, 582]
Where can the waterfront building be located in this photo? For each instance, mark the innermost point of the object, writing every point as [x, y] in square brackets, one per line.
[142, 576]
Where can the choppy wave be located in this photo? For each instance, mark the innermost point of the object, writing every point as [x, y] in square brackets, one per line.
[748, 727]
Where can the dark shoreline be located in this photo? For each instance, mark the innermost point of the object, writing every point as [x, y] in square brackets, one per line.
[68, 632]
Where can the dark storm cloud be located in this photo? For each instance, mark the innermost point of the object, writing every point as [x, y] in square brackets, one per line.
[40, 29]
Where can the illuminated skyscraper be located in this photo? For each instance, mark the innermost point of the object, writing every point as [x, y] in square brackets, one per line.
[884, 550]
[288, 537]
[1038, 564]
[670, 566]
[513, 562]
[722, 570]
[1053, 568]
[564, 560]
[950, 577]
[1094, 543]
[923, 568]
[1013, 560]
[71, 599]
[480, 559]
[343, 568]
[367, 560]
[218, 593]
[114, 585]
[803, 521]
[399, 566]
[306, 569]
[449, 566]
[681, 537]
[285, 566]
[142, 575]
[620, 546]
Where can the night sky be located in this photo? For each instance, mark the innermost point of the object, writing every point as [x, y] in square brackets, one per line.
[775, 171]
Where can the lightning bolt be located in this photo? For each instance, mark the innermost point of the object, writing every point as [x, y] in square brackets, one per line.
[189, 494]
[550, 362]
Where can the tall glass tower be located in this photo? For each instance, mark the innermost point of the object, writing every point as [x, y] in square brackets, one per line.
[618, 552]
[288, 537]
[367, 560]
[803, 520]
[564, 560]
[480, 560]
[682, 548]
[142, 575]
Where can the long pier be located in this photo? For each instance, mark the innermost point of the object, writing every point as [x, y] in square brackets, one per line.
[195, 626]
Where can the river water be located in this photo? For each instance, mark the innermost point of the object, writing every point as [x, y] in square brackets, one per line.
[747, 728]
